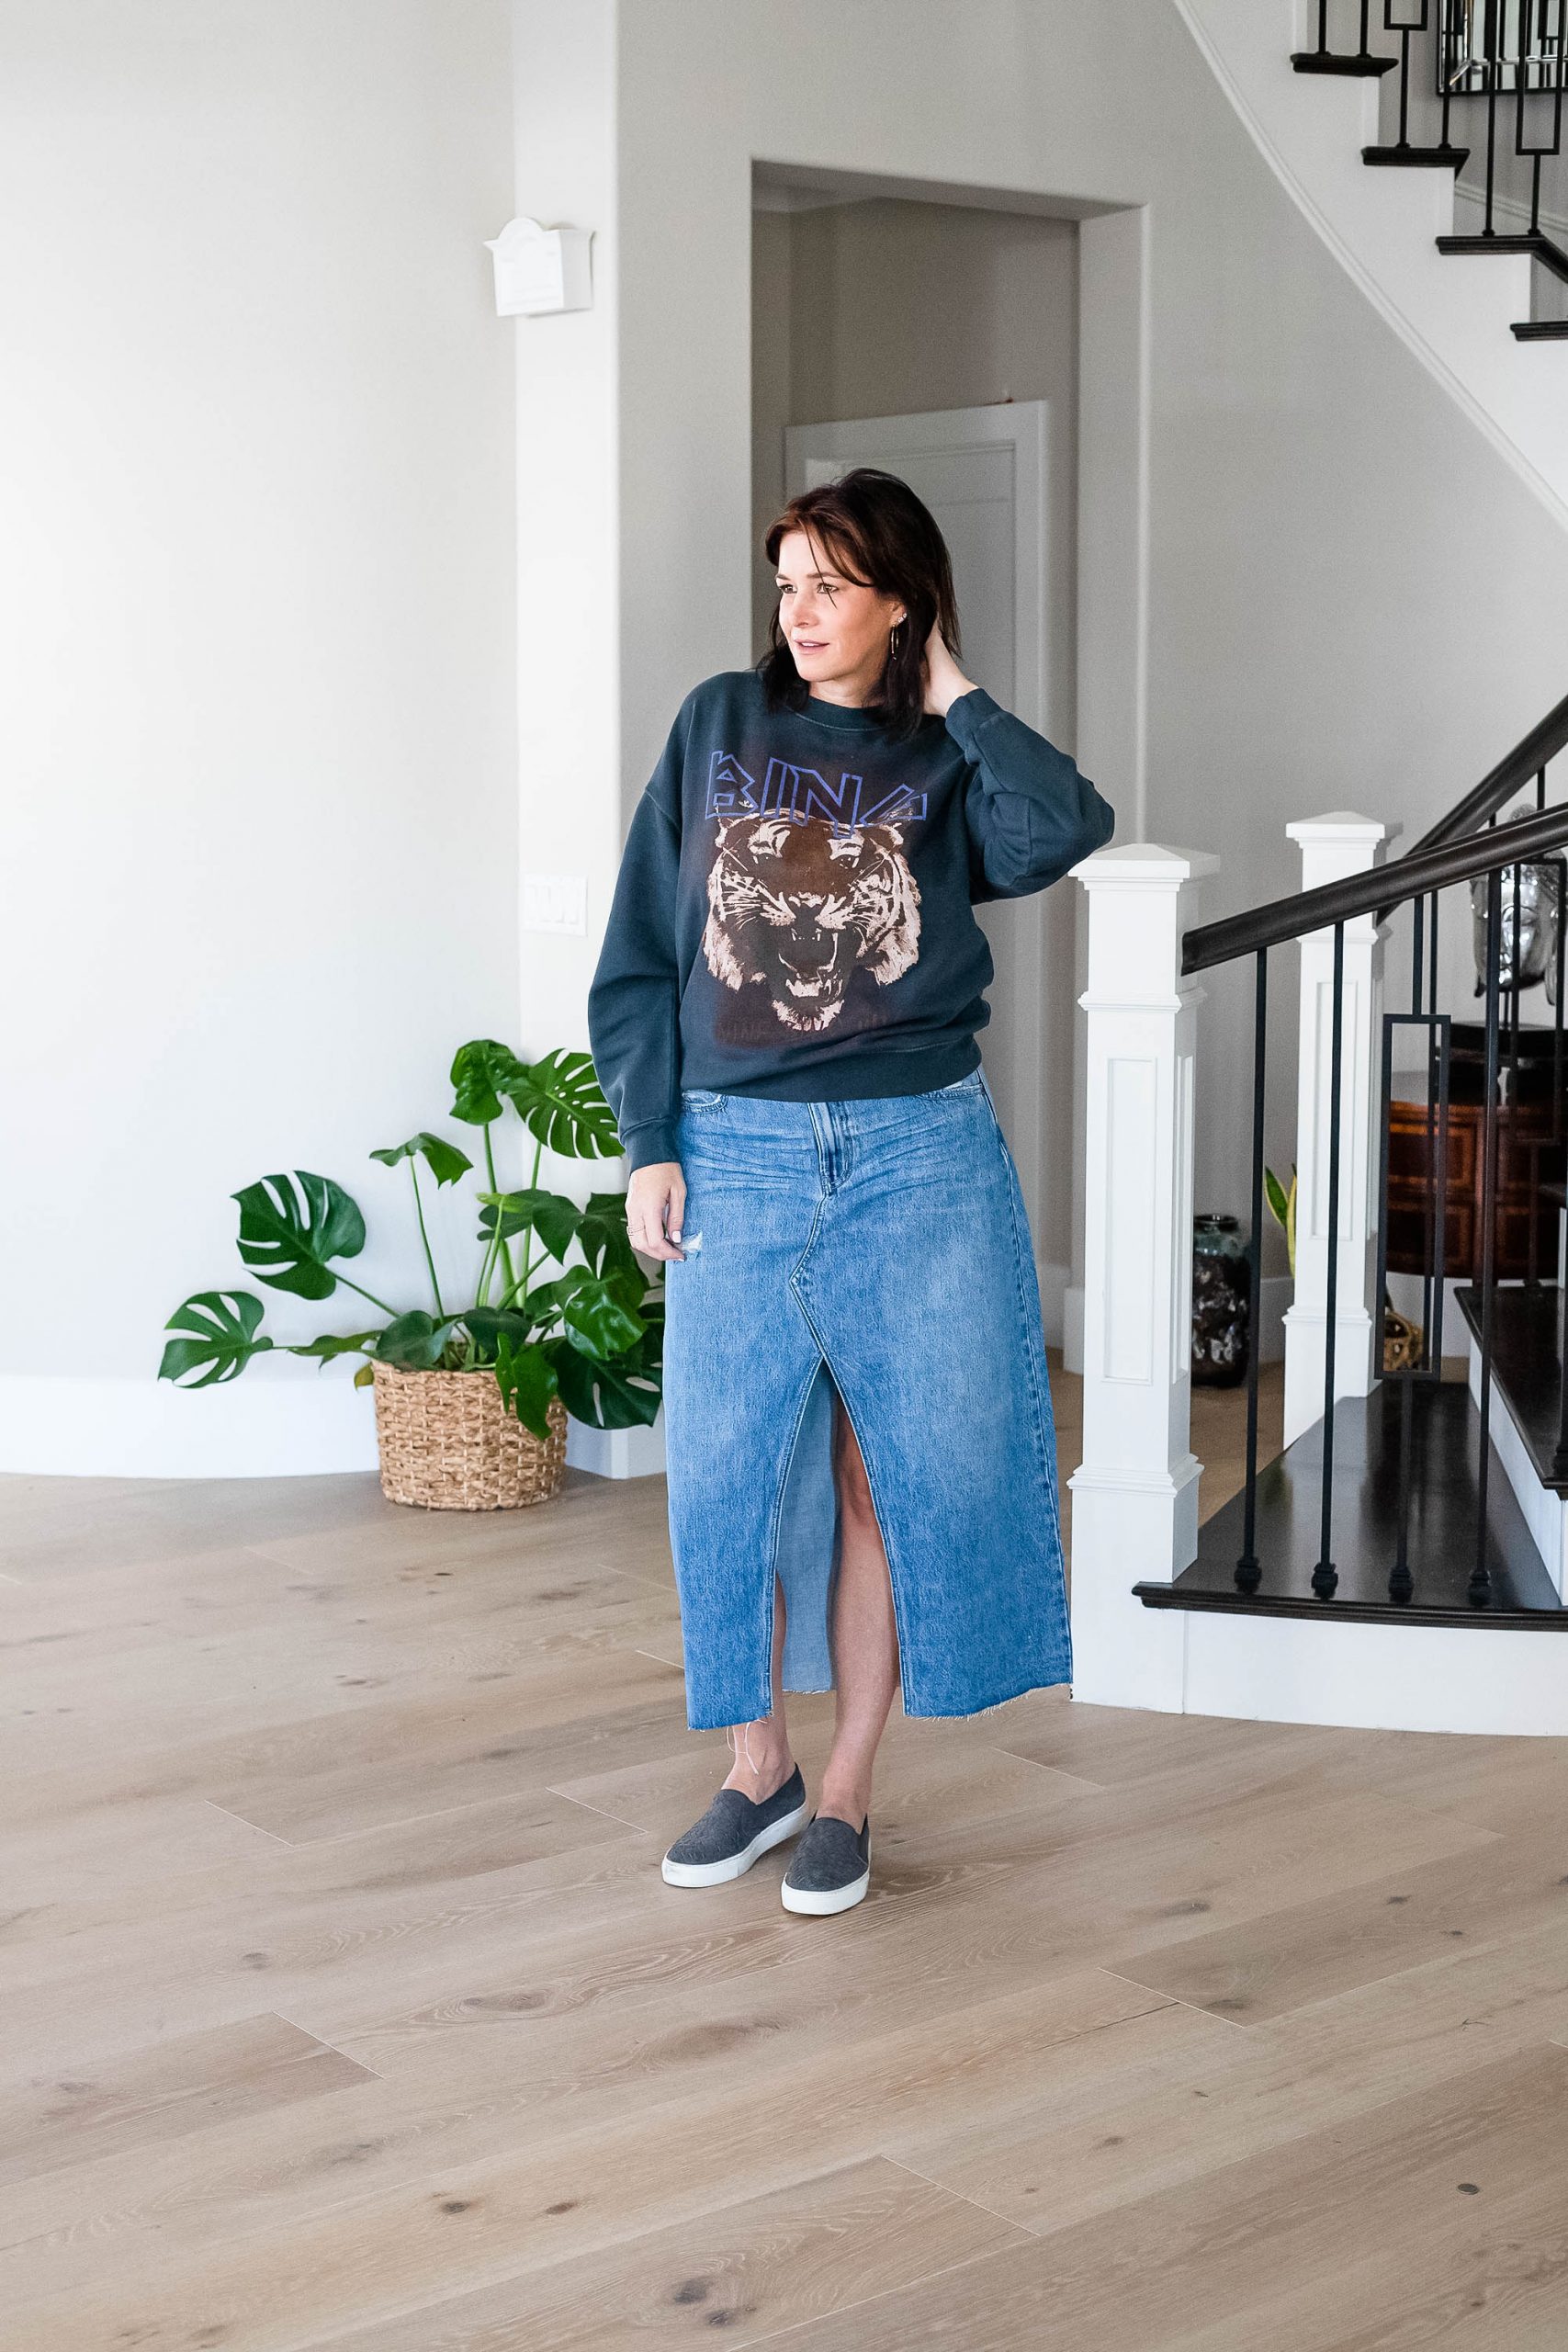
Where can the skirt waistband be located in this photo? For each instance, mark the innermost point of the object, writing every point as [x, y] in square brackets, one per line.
[777, 1112]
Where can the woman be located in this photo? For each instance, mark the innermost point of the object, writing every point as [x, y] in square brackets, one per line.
[859, 1446]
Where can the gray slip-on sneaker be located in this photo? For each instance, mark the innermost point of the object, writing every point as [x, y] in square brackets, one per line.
[733, 1833]
[830, 1869]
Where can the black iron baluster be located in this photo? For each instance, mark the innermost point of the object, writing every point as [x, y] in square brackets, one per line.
[1403, 29]
[1325, 59]
[1490, 43]
[1435, 1301]
[1514, 992]
[1417, 912]
[1407, 19]
[1562, 945]
[1541, 46]
[1480, 1589]
[1536, 1144]
[1560, 1460]
[1440, 1231]
[1249, 1573]
[1522, 91]
[1325, 1577]
[1399, 1580]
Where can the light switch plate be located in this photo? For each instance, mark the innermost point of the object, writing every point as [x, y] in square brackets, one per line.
[556, 902]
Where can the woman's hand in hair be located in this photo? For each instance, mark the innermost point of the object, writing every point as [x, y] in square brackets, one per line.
[944, 680]
[656, 1202]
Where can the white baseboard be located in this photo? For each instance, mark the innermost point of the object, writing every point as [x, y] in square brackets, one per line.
[1544, 1510]
[255, 1428]
[617, 1453]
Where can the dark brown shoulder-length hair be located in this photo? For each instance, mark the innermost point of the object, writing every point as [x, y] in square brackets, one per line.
[874, 529]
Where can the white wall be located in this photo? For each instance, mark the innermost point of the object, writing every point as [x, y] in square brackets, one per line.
[258, 731]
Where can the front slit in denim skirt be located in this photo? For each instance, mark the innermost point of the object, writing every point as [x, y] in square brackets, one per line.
[880, 1247]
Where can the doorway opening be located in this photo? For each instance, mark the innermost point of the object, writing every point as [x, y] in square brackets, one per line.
[939, 340]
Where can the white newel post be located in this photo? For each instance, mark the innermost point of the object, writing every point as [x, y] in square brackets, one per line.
[1333, 847]
[1136, 1492]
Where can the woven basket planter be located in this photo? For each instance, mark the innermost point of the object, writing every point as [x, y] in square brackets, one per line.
[447, 1442]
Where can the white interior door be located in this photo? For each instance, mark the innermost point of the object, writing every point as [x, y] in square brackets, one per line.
[982, 472]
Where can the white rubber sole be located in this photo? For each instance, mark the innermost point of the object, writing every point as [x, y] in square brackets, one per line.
[822, 1906]
[736, 1865]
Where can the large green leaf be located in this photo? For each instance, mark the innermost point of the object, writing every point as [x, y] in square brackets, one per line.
[333, 1344]
[482, 1071]
[489, 1325]
[629, 1285]
[546, 1300]
[600, 1315]
[1277, 1203]
[559, 1101]
[221, 1325]
[602, 1229]
[527, 1381]
[615, 1396]
[444, 1159]
[415, 1342]
[532, 1210]
[597, 1320]
[290, 1226]
[1283, 1207]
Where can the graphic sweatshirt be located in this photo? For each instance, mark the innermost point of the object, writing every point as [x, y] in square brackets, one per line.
[794, 912]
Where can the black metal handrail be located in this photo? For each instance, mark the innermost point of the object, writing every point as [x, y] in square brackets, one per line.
[1522, 765]
[1281, 920]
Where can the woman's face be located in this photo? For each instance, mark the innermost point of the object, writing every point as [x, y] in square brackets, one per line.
[837, 627]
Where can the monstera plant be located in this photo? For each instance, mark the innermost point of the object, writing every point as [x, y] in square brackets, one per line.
[585, 1328]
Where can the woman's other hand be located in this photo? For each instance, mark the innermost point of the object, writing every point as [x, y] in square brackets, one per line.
[656, 1202]
[944, 680]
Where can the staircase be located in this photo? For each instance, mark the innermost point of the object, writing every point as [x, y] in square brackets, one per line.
[1404, 1562]
[1498, 65]
[1423, 141]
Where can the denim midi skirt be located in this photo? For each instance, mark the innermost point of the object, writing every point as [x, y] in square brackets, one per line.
[880, 1247]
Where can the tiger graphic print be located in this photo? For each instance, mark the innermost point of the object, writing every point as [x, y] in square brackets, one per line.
[802, 906]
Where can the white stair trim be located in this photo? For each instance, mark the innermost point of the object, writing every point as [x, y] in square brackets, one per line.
[1545, 1513]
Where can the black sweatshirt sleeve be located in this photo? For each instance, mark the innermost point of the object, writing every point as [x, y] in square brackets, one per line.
[634, 1002]
[1031, 815]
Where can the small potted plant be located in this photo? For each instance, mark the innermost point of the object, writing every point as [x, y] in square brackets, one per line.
[472, 1402]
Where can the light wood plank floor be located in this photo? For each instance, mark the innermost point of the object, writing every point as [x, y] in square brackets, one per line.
[342, 2003]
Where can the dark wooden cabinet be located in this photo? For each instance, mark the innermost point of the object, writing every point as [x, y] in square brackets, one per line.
[1521, 1174]
[1530, 1166]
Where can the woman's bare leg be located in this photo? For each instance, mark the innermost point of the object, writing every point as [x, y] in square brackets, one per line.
[763, 1758]
[865, 1635]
